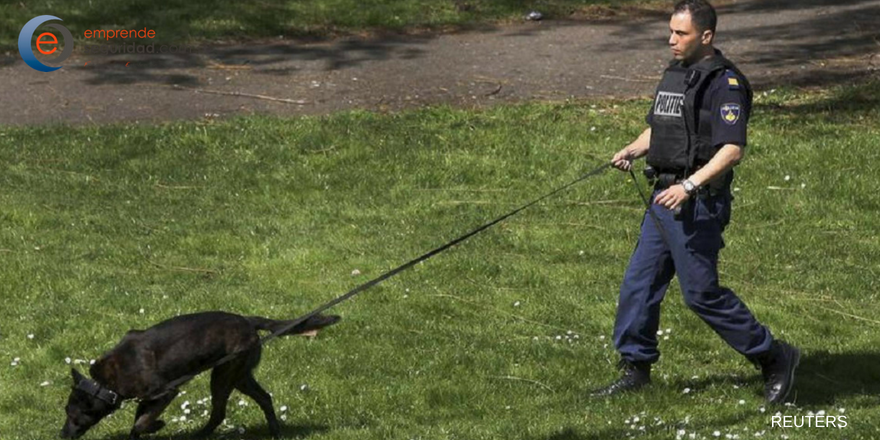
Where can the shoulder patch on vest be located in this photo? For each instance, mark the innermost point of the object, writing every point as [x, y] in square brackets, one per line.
[732, 80]
[730, 113]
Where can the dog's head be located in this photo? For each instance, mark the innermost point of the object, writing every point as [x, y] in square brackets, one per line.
[85, 407]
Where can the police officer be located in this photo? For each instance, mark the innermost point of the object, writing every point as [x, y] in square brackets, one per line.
[697, 135]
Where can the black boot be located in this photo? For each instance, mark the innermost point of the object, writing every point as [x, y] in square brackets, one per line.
[634, 375]
[777, 366]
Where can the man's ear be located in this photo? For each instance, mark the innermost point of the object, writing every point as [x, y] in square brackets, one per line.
[77, 377]
[708, 36]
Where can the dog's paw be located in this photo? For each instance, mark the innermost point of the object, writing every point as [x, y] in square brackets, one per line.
[203, 433]
[155, 426]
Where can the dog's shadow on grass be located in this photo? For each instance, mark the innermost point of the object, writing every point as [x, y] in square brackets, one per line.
[256, 432]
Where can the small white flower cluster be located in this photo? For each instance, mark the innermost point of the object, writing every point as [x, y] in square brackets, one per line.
[640, 422]
[68, 361]
[682, 434]
[188, 410]
[664, 334]
[569, 337]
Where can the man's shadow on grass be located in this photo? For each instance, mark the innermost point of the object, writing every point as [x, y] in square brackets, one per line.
[821, 378]
[660, 430]
[253, 432]
[824, 377]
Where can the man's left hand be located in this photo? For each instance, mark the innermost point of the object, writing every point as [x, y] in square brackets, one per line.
[672, 197]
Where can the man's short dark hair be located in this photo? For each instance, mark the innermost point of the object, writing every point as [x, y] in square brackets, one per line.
[702, 13]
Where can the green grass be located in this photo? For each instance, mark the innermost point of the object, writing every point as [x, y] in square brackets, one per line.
[110, 228]
[194, 21]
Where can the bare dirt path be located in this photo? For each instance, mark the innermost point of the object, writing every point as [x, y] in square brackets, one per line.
[801, 42]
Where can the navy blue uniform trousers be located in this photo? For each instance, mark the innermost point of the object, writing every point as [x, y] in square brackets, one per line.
[692, 253]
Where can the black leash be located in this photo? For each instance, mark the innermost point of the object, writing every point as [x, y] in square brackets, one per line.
[651, 211]
[175, 383]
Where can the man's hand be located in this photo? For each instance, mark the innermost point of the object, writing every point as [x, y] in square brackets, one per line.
[638, 148]
[622, 160]
[672, 197]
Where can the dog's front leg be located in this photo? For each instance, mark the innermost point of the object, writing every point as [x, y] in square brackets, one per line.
[146, 419]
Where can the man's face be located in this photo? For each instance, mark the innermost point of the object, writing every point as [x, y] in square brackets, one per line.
[685, 40]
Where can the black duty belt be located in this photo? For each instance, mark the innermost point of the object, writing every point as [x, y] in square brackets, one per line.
[662, 179]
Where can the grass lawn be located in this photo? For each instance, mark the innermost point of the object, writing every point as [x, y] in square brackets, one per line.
[193, 21]
[110, 228]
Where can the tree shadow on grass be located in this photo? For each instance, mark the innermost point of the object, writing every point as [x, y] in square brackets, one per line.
[840, 104]
[841, 31]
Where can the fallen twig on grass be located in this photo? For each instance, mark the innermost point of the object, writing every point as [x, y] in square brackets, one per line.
[186, 269]
[546, 387]
[503, 312]
[850, 315]
[159, 185]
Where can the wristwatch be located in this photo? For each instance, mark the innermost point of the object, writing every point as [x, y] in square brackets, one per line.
[689, 187]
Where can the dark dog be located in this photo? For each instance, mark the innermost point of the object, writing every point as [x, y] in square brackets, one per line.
[145, 362]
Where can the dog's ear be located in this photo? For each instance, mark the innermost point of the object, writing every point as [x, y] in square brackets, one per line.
[77, 377]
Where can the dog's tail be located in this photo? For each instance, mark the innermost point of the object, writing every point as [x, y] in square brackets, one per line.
[312, 324]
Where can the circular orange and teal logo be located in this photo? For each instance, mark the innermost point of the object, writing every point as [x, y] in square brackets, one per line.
[46, 44]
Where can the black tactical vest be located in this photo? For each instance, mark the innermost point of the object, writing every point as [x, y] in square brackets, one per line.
[681, 132]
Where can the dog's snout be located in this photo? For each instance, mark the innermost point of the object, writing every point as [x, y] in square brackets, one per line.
[69, 431]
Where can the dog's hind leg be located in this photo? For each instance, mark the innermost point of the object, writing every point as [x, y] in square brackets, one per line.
[223, 379]
[146, 419]
[251, 388]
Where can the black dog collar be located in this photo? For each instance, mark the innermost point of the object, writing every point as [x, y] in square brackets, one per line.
[95, 389]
